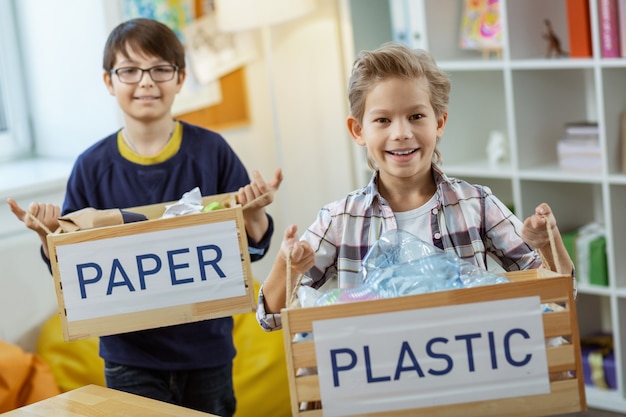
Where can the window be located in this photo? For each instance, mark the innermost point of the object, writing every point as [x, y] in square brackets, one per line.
[15, 139]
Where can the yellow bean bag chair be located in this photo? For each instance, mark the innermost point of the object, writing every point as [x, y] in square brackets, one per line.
[259, 369]
[75, 363]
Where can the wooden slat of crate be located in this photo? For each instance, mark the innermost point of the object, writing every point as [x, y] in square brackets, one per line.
[566, 396]
[121, 323]
[155, 211]
[559, 401]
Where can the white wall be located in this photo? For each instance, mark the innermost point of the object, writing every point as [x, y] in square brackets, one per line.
[72, 109]
[311, 101]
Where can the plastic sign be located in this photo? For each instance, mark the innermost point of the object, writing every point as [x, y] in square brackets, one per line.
[431, 357]
[151, 270]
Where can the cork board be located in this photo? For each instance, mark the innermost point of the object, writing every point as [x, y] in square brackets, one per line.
[233, 110]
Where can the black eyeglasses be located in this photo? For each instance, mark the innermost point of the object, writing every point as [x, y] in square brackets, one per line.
[158, 73]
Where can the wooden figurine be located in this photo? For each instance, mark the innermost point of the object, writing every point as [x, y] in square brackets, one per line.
[554, 44]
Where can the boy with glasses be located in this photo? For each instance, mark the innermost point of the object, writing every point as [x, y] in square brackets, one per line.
[152, 159]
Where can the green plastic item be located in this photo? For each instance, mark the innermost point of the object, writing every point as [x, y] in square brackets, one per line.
[212, 206]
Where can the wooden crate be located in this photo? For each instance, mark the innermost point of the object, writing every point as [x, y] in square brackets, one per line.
[563, 376]
[153, 273]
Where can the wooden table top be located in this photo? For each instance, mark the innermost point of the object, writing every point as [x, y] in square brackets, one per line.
[97, 401]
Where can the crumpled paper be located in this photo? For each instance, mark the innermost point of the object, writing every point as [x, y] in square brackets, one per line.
[190, 203]
[91, 218]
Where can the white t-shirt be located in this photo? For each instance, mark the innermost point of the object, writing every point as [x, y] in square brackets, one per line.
[417, 221]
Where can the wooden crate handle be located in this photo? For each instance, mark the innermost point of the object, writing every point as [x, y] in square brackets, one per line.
[291, 289]
[555, 255]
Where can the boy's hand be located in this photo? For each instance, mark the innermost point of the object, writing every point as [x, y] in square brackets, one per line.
[257, 188]
[47, 213]
[302, 259]
[302, 255]
[254, 197]
[534, 231]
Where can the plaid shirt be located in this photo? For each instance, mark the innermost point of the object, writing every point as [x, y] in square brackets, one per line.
[468, 221]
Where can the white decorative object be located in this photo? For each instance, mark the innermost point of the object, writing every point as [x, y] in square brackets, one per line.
[497, 149]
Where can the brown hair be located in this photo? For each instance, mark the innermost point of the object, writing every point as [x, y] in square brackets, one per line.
[396, 60]
[146, 36]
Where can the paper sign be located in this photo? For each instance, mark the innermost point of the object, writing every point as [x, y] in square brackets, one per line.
[431, 357]
[151, 270]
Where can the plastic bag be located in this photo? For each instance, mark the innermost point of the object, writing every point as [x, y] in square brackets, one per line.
[401, 264]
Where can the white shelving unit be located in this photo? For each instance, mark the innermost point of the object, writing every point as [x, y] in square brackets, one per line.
[529, 98]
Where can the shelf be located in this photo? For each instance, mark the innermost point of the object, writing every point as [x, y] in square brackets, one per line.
[609, 400]
[529, 98]
[554, 173]
[620, 292]
[613, 63]
[593, 289]
[472, 65]
[482, 169]
[555, 63]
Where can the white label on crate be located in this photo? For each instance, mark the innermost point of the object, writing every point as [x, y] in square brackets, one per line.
[431, 357]
[151, 270]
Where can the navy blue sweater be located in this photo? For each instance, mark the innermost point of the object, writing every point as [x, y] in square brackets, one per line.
[103, 179]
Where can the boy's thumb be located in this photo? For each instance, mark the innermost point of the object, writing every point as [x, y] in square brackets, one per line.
[16, 209]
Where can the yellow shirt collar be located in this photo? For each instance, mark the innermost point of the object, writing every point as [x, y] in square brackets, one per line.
[170, 149]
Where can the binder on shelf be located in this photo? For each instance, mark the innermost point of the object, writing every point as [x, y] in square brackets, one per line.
[621, 23]
[609, 29]
[623, 140]
[579, 29]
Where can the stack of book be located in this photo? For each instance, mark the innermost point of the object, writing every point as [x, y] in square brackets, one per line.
[579, 149]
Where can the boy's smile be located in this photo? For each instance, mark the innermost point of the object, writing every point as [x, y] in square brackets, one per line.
[147, 98]
[402, 155]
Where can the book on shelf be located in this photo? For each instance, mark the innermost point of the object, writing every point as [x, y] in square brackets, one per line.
[579, 28]
[609, 29]
[623, 139]
[621, 23]
[579, 148]
[583, 129]
[579, 155]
